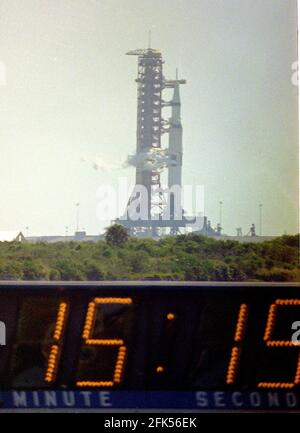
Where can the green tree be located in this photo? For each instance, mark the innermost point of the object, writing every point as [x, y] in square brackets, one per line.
[116, 235]
[93, 271]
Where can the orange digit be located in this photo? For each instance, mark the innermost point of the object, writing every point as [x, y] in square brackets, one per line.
[238, 339]
[279, 343]
[90, 341]
[55, 348]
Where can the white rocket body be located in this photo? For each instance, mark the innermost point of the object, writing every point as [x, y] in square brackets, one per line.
[175, 155]
[175, 141]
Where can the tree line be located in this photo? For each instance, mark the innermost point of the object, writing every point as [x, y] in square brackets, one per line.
[184, 257]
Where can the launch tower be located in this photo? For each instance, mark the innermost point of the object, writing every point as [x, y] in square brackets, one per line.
[152, 209]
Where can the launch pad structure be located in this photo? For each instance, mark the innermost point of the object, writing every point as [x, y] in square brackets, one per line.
[153, 210]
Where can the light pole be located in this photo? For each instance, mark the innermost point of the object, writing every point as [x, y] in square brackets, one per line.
[77, 216]
[220, 216]
[260, 218]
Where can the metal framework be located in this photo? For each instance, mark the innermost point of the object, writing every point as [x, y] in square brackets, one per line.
[149, 122]
[151, 159]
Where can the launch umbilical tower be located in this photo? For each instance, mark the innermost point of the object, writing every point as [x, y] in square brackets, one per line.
[152, 208]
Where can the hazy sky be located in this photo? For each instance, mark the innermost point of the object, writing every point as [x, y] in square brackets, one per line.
[70, 101]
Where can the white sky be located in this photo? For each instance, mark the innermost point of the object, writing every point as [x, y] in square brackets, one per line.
[70, 100]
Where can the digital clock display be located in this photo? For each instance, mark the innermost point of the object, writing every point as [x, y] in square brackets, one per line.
[150, 337]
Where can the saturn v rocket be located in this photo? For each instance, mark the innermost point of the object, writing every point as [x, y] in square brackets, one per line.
[175, 141]
[175, 153]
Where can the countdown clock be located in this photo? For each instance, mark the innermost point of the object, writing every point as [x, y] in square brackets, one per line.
[150, 345]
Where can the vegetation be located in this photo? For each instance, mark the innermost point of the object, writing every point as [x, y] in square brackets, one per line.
[116, 235]
[185, 257]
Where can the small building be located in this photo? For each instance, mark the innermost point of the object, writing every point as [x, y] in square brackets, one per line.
[12, 236]
[79, 236]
